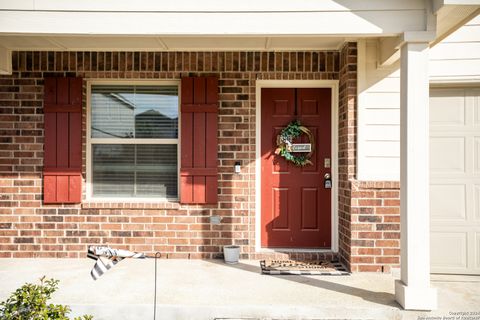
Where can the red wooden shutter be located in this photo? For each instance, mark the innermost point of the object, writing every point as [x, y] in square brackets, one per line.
[62, 171]
[198, 171]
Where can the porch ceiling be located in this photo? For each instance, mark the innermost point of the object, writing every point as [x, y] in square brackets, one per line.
[153, 43]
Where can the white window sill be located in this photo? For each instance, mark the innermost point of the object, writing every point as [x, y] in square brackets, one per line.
[112, 203]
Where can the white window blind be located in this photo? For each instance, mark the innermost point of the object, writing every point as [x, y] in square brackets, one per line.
[134, 141]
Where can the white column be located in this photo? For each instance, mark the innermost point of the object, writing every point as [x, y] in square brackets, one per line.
[413, 291]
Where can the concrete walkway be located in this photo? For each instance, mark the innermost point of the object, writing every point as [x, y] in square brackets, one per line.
[194, 289]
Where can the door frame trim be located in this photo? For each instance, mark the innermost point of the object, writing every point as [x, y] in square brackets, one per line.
[331, 84]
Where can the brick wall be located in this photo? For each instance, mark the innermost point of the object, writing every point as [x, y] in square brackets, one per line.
[30, 229]
[368, 212]
[375, 226]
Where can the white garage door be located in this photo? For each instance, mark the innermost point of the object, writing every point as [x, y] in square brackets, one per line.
[455, 180]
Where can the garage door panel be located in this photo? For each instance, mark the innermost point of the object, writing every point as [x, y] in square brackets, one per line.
[452, 161]
[477, 250]
[476, 156]
[476, 106]
[447, 202]
[449, 250]
[476, 202]
[455, 180]
[476, 119]
[449, 107]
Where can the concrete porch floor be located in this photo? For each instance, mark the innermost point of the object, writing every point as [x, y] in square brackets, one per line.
[195, 289]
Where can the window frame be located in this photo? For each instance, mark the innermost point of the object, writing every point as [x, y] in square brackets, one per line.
[90, 141]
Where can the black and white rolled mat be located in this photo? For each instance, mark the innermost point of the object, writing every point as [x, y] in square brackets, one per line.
[107, 257]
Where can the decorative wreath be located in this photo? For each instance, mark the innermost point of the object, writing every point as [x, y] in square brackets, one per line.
[285, 141]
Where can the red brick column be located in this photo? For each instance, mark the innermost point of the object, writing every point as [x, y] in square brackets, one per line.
[347, 127]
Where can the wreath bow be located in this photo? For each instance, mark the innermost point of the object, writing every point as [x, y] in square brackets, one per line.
[285, 141]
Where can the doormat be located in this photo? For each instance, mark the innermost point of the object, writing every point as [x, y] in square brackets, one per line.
[318, 268]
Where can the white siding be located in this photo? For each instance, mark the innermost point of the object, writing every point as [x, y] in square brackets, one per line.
[378, 117]
[457, 57]
[454, 60]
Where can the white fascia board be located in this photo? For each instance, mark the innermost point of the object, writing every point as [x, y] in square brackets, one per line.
[461, 2]
[335, 23]
[438, 4]
[210, 5]
[417, 37]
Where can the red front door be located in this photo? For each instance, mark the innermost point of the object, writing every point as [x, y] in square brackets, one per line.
[295, 203]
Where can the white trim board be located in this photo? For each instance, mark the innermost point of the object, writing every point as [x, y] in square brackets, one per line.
[371, 22]
[333, 85]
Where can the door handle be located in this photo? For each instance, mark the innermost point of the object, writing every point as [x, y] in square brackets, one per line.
[327, 181]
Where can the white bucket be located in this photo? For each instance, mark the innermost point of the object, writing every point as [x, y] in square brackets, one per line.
[231, 254]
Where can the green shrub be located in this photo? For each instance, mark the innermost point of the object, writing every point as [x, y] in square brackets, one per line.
[29, 302]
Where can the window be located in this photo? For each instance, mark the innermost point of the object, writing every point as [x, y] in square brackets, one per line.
[133, 141]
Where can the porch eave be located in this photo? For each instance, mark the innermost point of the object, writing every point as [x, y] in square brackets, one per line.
[324, 28]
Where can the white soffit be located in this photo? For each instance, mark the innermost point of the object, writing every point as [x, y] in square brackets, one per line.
[208, 5]
[109, 43]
